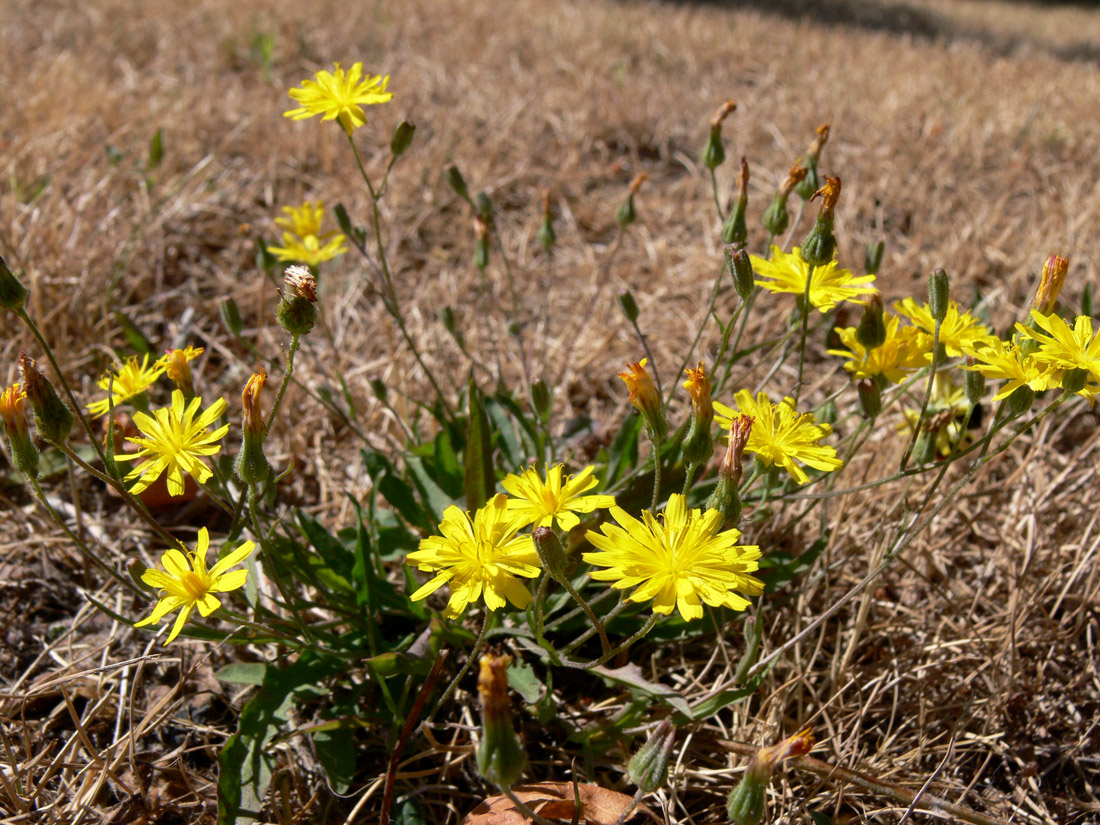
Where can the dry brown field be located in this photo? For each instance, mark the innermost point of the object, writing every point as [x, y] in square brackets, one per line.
[966, 134]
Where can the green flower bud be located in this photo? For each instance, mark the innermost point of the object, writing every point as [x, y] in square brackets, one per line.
[629, 306]
[698, 445]
[296, 315]
[402, 138]
[458, 183]
[24, 455]
[714, 153]
[740, 267]
[52, 418]
[648, 768]
[12, 293]
[481, 247]
[626, 214]
[546, 236]
[542, 398]
[251, 465]
[500, 756]
[776, 220]
[939, 294]
[870, 398]
[1021, 400]
[819, 246]
[231, 317]
[735, 230]
[871, 332]
[1074, 380]
[973, 383]
[873, 257]
[484, 206]
[811, 183]
[550, 552]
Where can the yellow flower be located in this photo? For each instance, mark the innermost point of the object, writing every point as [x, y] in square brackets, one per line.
[947, 407]
[645, 398]
[541, 502]
[960, 332]
[339, 96]
[830, 284]
[698, 384]
[303, 240]
[478, 558]
[175, 441]
[1063, 347]
[680, 563]
[1050, 286]
[900, 352]
[780, 435]
[1000, 361]
[177, 364]
[129, 379]
[185, 583]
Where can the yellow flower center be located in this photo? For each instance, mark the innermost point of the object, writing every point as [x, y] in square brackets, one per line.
[194, 584]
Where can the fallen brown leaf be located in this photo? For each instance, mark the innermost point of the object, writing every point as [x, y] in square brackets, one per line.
[598, 806]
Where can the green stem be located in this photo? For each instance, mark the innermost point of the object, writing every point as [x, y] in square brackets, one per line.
[717, 200]
[656, 473]
[295, 342]
[272, 568]
[927, 396]
[453, 686]
[605, 645]
[805, 324]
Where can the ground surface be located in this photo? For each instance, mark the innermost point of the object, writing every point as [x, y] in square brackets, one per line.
[965, 134]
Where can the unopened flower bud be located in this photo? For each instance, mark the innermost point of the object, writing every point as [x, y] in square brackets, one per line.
[500, 756]
[1050, 287]
[646, 399]
[542, 398]
[740, 266]
[973, 382]
[627, 214]
[871, 332]
[402, 138]
[648, 768]
[776, 218]
[296, 312]
[24, 455]
[870, 398]
[52, 419]
[629, 306]
[810, 184]
[1021, 399]
[746, 801]
[546, 235]
[12, 293]
[819, 246]
[735, 229]
[231, 316]
[457, 182]
[1074, 380]
[550, 552]
[698, 444]
[873, 257]
[726, 499]
[714, 153]
[939, 294]
[251, 464]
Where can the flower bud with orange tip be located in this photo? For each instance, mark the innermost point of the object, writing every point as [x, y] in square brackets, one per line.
[24, 455]
[1050, 287]
[52, 419]
[627, 214]
[746, 801]
[726, 498]
[776, 218]
[812, 182]
[296, 312]
[251, 464]
[698, 445]
[500, 756]
[714, 153]
[177, 367]
[819, 246]
[735, 229]
[646, 399]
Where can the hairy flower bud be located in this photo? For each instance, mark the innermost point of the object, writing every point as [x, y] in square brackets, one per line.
[12, 293]
[542, 398]
[973, 382]
[726, 499]
[735, 230]
[1050, 287]
[1074, 380]
[402, 138]
[698, 445]
[296, 312]
[629, 306]
[870, 398]
[52, 419]
[871, 332]
[1021, 399]
[177, 365]
[457, 182]
[746, 801]
[819, 246]
[550, 552]
[24, 455]
[939, 294]
[500, 756]
[776, 218]
[810, 184]
[714, 153]
[740, 266]
[251, 464]
[646, 399]
[648, 768]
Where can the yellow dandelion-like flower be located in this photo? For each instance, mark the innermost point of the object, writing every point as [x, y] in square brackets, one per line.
[829, 286]
[175, 440]
[1005, 362]
[1064, 347]
[960, 332]
[185, 583]
[781, 435]
[339, 95]
[129, 379]
[900, 353]
[478, 558]
[540, 503]
[947, 406]
[680, 563]
[303, 240]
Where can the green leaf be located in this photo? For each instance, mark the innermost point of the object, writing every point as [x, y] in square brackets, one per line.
[435, 496]
[242, 673]
[156, 149]
[631, 676]
[395, 490]
[785, 568]
[408, 812]
[480, 478]
[231, 317]
[522, 679]
[336, 752]
[244, 767]
[622, 456]
[137, 341]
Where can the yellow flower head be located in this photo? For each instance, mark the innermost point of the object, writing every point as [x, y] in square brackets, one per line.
[541, 502]
[698, 384]
[250, 401]
[1063, 347]
[780, 435]
[947, 407]
[13, 409]
[1050, 287]
[960, 332]
[478, 558]
[339, 96]
[129, 379]
[829, 286]
[902, 351]
[645, 398]
[679, 563]
[185, 583]
[303, 240]
[177, 365]
[175, 440]
[1005, 362]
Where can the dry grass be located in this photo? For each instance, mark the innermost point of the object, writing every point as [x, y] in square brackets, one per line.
[970, 663]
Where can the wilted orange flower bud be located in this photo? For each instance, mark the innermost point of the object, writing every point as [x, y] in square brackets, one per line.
[829, 194]
[699, 386]
[724, 111]
[636, 184]
[731, 466]
[821, 137]
[500, 756]
[250, 398]
[794, 177]
[646, 399]
[1050, 287]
